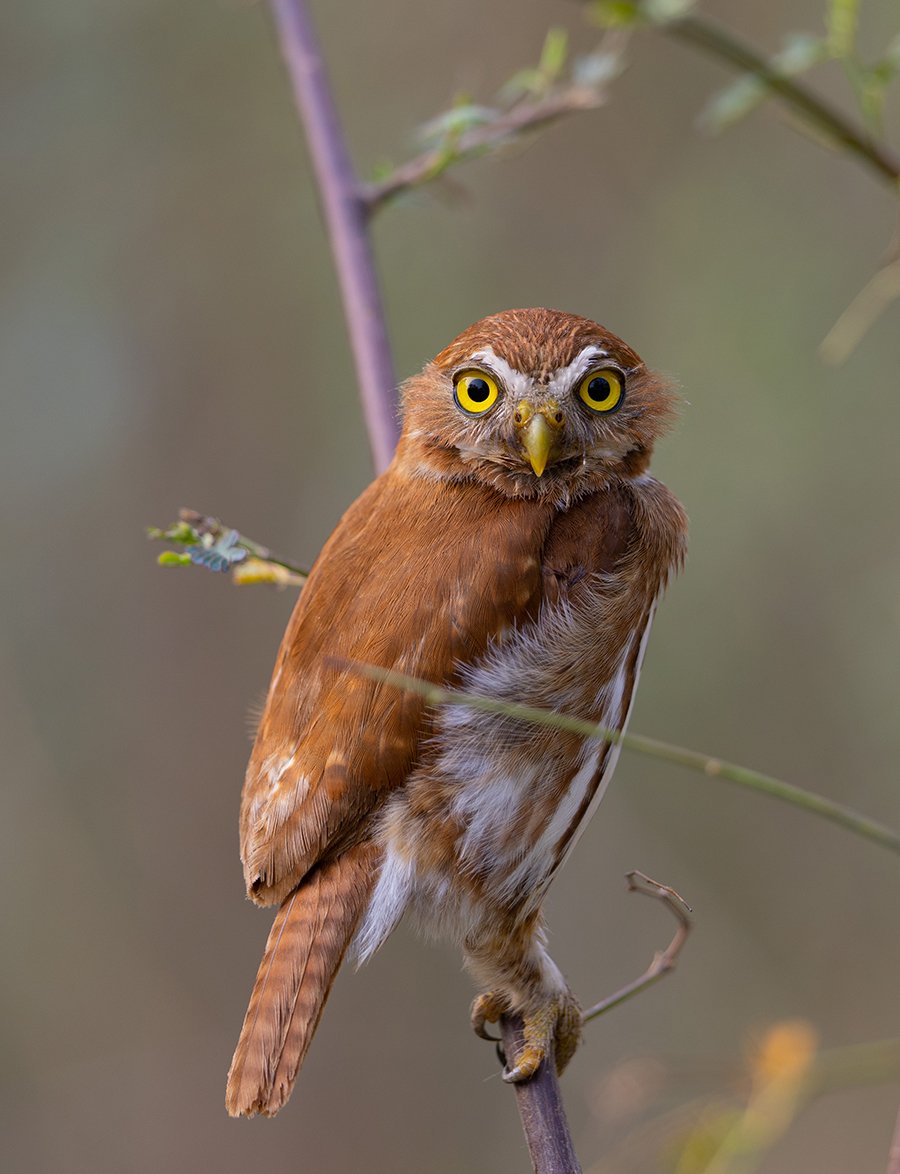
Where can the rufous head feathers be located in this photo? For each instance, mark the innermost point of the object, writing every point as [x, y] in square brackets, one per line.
[534, 402]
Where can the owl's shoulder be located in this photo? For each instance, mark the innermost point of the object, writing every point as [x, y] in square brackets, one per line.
[661, 521]
[628, 519]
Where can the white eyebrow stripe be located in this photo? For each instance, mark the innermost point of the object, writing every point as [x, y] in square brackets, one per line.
[564, 377]
[517, 383]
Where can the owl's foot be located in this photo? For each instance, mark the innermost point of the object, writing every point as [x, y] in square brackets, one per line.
[487, 1008]
[553, 1029]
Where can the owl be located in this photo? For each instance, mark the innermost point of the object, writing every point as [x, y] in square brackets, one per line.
[517, 546]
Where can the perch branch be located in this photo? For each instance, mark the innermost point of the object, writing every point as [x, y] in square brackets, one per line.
[346, 214]
[541, 1111]
[345, 217]
[665, 961]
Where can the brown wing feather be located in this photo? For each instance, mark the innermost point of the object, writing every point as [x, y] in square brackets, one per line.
[447, 567]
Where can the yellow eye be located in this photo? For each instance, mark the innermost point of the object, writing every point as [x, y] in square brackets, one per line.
[602, 391]
[475, 392]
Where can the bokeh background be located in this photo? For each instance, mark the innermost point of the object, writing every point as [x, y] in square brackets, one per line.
[171, 335]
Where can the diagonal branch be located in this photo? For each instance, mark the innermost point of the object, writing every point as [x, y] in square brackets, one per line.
[711, 38]
[524, 117]
[873, 299]
[828, 809]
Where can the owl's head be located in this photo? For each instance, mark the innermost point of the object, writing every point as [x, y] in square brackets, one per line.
[534, 402]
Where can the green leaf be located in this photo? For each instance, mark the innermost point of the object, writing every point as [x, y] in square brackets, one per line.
[798, 53]
[525, 82]
[596, 69]
[662, 11]
[733, 103]
[179, 532]
[553, 54]
[173, 558]
[615, 13]
[537, 81]
[871, 89]
[452, 123]
[841, 21]
[611, 14]
[892, 55]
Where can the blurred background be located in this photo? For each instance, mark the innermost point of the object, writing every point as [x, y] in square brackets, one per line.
[171, 335]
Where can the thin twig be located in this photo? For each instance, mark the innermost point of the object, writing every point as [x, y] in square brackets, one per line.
[828, 809]
[204, 524]
[478, 140]
[541, 1110]
[664, 961]
[893, 1166]
[205, 541]
[345, 216]
[882, 288]
[709, 37]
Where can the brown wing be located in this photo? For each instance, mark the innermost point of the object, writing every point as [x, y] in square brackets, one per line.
[419, 576]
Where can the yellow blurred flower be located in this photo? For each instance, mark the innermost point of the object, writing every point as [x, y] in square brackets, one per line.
[785, 1053]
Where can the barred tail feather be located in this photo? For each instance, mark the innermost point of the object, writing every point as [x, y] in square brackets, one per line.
[306, 945]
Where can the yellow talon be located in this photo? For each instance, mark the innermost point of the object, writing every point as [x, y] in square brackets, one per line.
[554, 1028]
[487, 1008]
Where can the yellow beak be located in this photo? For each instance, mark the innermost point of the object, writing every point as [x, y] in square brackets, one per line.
[538, 433]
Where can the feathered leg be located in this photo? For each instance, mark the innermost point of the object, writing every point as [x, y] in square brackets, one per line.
[523, 979]
[307, 943]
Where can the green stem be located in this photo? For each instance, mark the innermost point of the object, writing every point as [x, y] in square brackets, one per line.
[710, 38]
[265, 555]
[877, 1062]
[713, 767]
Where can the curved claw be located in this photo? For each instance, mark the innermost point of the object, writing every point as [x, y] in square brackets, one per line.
[527, 1064]
[487, 1007]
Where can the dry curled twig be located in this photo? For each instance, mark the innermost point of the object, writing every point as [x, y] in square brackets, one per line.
[664, 961]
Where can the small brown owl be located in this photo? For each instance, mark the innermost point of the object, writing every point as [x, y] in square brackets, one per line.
[517, 547]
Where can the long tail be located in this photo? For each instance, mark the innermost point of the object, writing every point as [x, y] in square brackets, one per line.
[309, 938]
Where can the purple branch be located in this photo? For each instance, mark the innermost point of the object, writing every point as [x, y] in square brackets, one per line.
[541, 1110]
[345, 206]
[345, 216]
[894, 1156]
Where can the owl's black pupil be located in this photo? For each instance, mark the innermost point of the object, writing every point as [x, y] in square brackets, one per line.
[478, 390]
[598, 388]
